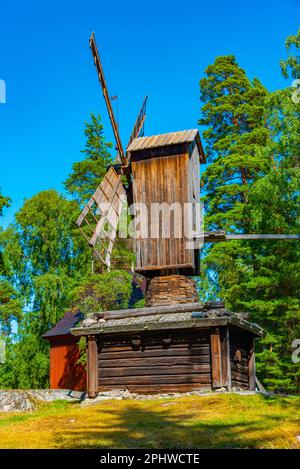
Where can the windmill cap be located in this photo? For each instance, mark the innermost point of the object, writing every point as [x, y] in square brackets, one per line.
[162, 140]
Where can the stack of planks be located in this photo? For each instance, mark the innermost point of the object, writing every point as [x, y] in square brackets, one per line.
[171, 290]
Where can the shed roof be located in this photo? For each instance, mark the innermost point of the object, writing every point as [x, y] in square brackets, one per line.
[161, 140]
[217, 316]
[65, 324]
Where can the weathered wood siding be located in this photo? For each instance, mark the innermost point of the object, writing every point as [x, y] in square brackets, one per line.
[240, 345]
[161, 180]
[155, 362]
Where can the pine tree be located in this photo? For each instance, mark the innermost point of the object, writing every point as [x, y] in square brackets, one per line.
[261, 277]
[272, 290]
[87, 174]
[234, 119]
[233, 116]
[272, 293]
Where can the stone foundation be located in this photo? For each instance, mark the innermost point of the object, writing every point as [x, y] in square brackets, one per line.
[171, 290]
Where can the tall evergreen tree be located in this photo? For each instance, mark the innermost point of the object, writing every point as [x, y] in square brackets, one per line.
[235, 133]
[272, 293]
[234, 120]
[262, 276]
[87, 174]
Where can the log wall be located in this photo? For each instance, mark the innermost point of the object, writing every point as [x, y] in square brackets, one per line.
[240, 351]
[155, 362]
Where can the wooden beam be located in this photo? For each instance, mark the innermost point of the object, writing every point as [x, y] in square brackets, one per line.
[106, 96]
[251, 367]
[225, 358]
[92, 366]
[221, 236]
[152, 310]
[163, 267]
[216, 363]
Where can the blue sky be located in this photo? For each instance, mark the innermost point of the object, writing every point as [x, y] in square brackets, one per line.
[159, 48]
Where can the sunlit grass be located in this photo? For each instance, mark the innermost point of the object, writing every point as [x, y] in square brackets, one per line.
[216, 421]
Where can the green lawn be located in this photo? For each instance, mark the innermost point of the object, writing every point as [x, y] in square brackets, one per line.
[215, 421]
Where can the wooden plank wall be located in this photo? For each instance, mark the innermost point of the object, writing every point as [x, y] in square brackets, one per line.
[240, 343]
[156, 362]
[162, 180]
[65, 372]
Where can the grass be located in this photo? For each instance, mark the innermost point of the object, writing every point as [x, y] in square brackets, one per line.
[216, 421]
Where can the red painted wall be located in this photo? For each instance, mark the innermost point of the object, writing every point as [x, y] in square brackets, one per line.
[65, 373]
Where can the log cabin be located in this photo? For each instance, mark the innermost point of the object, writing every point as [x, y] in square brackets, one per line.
[171, 348]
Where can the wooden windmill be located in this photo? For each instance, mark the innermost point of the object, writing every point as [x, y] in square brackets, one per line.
[162, 169]
[154, 171]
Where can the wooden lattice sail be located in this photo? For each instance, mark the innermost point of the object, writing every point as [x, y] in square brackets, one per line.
[98, 222]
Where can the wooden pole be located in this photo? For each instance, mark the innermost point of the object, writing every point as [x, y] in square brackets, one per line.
[92, 366]
[251, 367]
[225, 359]
[216, 364]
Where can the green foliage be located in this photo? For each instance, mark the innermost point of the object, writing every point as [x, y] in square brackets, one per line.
[251, 184]
[272, 292]
[291, 65]
[27, 363]
[234, 119]
[43, 257]
[4, 202]
[10, 306]
[82, 351]
[87, 174]
[98, 292]
[261, 277]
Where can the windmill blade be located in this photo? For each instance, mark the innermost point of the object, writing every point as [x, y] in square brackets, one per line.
[220, 236]
[101, 77]
[139, 123]
[98, 221]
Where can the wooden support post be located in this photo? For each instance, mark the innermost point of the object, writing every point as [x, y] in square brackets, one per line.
[251, 366]
[216, 363]
[225, 358]
[92, 366]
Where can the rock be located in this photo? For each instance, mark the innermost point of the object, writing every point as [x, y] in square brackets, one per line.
[12, 401]
[89, 322]
[126, 394]
[236, 389]
[27, 400]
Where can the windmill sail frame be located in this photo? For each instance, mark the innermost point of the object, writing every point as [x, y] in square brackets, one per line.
[101, 215]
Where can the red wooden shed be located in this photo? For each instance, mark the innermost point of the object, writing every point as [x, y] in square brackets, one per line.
[65, 372]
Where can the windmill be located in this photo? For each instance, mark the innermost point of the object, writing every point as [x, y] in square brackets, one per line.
[160, 170]
[157, 159]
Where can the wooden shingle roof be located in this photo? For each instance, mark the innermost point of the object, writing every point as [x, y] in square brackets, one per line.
[64, 325]
[162, 140]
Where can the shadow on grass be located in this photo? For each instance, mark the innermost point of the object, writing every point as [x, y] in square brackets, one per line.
[133, 427]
